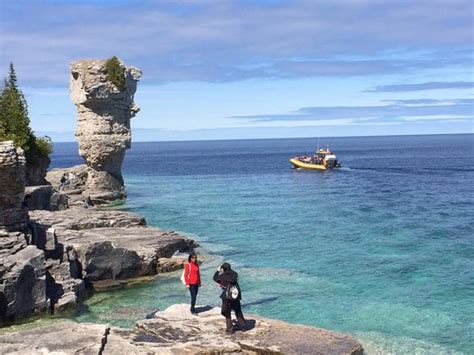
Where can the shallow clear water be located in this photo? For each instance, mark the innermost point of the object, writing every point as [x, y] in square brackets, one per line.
[382, 249]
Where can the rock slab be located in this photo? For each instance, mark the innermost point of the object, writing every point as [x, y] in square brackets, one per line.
[175, 331]
[110, 245]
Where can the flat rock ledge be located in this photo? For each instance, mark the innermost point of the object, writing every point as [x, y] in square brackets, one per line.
[175, 331]
[111, 245]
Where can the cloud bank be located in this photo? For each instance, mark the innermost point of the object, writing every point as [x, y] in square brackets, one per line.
[397, 111]
[214, 40]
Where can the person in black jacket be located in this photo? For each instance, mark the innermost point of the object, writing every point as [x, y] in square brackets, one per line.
[225, 276]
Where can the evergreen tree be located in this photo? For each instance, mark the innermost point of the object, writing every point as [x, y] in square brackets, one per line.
[14, 121]
[12, 77]
[115, 72]
[15, 124]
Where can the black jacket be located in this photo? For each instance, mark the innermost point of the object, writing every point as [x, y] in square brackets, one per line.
[229, 276]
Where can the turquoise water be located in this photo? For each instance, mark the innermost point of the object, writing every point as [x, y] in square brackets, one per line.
[382, 249]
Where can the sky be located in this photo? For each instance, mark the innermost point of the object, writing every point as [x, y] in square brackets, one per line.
[222, 69]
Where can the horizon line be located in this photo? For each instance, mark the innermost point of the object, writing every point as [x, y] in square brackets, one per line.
[275, 138]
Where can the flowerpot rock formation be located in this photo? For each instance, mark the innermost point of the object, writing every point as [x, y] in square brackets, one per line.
[103, 125]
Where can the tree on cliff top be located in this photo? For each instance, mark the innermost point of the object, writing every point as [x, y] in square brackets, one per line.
[15, 124]
[115, 72]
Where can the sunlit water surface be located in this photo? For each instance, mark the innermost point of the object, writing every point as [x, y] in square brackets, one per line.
[382, 249]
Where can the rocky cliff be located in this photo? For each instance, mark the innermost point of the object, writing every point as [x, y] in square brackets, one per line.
[103, 125]
[22, 269]
[13, 216]
[49, 256]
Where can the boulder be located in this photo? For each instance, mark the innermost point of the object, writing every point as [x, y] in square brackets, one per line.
[38, 197]
[103, 130]
[44, 197]
[65, 288]
[13, 215]
[23, 287]
[35, 172]
[123, 253]
[58, 202]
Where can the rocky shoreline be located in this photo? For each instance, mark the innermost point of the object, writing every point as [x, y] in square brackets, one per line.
[176, 331]
[55, 249]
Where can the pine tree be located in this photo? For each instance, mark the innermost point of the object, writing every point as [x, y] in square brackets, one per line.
[15, 123]
[12, 77]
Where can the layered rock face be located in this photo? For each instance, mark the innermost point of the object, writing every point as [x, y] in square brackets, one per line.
[13, 216]
[22, 271]
[103, 125]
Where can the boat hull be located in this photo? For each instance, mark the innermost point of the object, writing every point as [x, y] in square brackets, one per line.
[300, 165]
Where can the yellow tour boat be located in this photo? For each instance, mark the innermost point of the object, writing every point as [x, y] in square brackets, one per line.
[324, 159]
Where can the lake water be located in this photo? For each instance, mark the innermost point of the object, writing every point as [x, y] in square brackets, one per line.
[382, 249]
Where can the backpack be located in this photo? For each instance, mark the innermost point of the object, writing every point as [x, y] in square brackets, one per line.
[232, 291]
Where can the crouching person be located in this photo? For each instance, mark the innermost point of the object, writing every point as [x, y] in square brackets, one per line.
[231, 296]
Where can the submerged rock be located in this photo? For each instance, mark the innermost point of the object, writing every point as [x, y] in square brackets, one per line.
[103, 125]
[176, 331]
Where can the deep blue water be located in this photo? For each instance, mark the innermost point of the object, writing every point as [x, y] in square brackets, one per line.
[382, 249]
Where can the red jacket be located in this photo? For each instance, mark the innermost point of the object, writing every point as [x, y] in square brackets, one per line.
[191, 274]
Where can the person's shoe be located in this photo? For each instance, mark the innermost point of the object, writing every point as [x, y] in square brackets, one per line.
[243, 325]
[230, 331]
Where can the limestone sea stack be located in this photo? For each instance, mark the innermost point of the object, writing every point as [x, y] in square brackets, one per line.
[13, 216]
[103, 130]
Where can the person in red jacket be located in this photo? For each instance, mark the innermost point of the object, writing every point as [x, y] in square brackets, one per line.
[192, 278]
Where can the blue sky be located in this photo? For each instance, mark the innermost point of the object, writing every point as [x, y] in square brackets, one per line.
[218, 69]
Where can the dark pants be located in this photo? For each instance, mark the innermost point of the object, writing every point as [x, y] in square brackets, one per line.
[193, 290]
[228, 306]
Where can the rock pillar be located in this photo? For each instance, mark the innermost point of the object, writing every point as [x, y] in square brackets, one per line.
[13, 216]
[103, 125]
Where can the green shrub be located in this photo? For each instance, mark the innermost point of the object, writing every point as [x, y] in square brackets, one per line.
[45, 145]
[115, 72]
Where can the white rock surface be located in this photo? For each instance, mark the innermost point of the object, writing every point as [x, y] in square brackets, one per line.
[176, 331]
